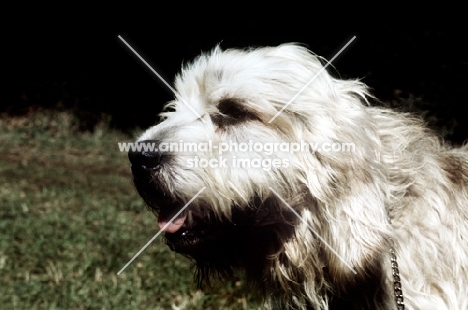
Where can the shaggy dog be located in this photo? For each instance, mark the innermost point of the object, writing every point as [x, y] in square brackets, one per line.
[309, 227]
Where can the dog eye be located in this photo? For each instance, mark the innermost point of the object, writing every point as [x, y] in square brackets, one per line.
[232, 112]
[231, 108]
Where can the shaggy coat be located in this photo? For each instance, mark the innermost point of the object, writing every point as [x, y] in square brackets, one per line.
[314, 230]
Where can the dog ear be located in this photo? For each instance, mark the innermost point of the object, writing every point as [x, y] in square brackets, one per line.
[346, 179]
[342, 171]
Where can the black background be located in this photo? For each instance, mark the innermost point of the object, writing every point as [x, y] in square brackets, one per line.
[73, 59]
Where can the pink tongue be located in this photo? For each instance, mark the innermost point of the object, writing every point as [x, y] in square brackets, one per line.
[173, 226]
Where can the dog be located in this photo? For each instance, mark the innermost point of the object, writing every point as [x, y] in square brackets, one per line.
[380, 225]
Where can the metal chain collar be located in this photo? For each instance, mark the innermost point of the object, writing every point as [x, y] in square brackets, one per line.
[397, 290]
[396, 278]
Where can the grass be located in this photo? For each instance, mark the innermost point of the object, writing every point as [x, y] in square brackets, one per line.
[70, 219]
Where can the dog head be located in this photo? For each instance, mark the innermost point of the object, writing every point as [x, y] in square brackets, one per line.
[230, 154]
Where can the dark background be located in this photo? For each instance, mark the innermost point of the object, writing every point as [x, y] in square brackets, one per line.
[75, 61]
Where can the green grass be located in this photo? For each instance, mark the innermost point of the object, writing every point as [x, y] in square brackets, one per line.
[70, 219]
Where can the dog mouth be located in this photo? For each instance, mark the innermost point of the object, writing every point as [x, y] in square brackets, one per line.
[170, 220]
[184, 233]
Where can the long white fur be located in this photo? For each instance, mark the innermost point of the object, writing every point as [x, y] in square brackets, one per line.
[398, 169]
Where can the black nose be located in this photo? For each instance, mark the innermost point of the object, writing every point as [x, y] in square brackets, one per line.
[145, 155]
